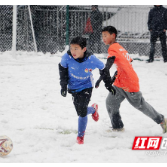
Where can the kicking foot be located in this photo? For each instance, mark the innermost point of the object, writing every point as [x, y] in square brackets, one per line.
[118, 130]
[164, 125]
[95, 115]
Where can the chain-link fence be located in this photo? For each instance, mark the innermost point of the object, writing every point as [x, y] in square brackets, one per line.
[6, 14]
[55, 26]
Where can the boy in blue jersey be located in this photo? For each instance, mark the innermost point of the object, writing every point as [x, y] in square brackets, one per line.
[75, 71]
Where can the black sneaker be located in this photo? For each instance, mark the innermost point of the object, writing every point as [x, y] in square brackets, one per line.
[149, 60]
[165, 61]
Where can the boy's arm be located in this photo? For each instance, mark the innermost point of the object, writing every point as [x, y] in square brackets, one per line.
[105, 72]
[63, 72]
[105, 76]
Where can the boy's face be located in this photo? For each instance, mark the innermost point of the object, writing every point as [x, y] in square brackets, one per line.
[108, 38]
[77, 51]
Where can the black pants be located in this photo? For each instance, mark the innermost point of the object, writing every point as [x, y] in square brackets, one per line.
[153, 39]
[81, 101]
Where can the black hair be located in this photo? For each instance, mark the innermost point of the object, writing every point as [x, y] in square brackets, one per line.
[79, 41]
[111, 30]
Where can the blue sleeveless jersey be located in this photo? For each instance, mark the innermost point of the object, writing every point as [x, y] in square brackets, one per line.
[80, 73]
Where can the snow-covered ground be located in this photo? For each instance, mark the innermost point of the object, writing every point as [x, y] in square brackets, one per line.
[43, 125]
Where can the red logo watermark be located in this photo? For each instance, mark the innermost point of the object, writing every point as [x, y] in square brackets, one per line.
[147, 143]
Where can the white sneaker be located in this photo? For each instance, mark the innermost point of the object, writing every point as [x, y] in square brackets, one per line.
[164, 125]
[118, 130]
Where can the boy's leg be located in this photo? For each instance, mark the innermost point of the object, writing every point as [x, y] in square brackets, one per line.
[90, 110]
[82, 123]
[81, 101]
[136, 99]
[113, 104]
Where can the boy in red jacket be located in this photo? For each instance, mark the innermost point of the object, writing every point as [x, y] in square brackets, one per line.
[126, 84]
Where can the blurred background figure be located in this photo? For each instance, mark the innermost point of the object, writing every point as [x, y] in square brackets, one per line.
[157, 25]
[96, 19]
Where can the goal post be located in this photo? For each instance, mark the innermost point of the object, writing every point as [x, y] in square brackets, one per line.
[32, 28]
[14, 29]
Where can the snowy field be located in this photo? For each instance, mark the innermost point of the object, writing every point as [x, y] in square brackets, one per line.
[43, 125]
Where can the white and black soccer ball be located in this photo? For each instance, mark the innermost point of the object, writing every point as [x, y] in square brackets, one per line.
[6, 145]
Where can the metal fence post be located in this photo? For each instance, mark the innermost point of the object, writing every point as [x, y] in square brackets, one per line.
[67, 25]
[14, 39]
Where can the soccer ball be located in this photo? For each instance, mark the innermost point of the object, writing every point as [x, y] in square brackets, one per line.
[6, 145]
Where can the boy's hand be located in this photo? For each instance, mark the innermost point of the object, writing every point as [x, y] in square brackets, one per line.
[64, 91]
[110, 88]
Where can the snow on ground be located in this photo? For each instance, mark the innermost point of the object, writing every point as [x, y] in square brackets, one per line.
[43, 125]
